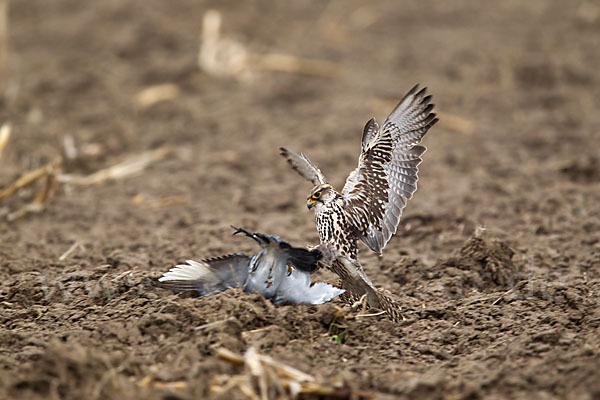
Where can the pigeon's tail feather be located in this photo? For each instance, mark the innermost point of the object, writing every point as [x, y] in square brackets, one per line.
[209, 276]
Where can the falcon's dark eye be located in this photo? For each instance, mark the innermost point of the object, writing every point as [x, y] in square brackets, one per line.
[316, 195]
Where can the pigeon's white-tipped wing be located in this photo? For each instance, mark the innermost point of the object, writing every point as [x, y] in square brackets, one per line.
[297, 288]
[386, 178]
[208, 276]
[302, 164]
[321, 292]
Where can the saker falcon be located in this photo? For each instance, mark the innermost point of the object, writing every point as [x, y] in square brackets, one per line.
[371, 203]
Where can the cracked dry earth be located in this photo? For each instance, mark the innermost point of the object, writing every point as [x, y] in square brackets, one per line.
[496, 263]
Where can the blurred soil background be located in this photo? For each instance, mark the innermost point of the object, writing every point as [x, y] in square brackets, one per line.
[136, 157]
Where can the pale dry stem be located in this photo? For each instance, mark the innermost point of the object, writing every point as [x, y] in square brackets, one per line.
[129, 167]
[220, 55]
[5, 131]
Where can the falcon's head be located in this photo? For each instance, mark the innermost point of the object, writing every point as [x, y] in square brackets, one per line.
[320, 194]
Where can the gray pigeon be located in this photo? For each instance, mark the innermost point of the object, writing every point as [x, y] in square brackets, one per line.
[279, 272]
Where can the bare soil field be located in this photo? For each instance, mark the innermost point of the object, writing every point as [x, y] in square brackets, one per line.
[496, 263]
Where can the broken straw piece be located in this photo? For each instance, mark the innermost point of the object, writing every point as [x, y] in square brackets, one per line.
[4, 136]
[156, 94]
[129, 167]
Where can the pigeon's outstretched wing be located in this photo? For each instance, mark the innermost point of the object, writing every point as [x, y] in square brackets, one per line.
[298, 257]
[377, 191]
[208, 276]
[302, 164]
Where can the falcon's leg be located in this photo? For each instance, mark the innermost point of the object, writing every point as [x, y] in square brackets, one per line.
[362, 303]
[359, 302]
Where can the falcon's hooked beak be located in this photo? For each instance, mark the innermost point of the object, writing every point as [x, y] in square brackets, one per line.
[310, 203]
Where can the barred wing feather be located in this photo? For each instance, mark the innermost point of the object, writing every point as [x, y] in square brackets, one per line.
[387, 174]
[302, 164]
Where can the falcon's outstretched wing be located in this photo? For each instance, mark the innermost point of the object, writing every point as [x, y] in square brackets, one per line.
[377, 191]
[302, 164]
[209, 276]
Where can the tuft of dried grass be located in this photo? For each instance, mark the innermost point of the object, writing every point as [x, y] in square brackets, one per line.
[48, 172]
[265, 378]
[31, 177]
[52, 178]
[222, 56]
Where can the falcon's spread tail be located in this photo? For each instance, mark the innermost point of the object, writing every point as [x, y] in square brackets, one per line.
[356, 284]
[208, 276]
